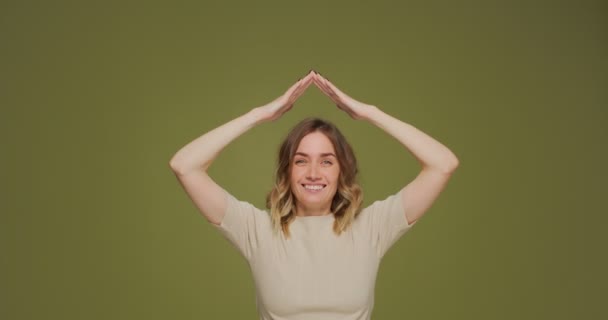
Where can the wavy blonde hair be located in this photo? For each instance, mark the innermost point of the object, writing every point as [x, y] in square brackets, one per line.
[346, 203]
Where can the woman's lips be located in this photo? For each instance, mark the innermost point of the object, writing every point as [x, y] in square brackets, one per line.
[317, 189]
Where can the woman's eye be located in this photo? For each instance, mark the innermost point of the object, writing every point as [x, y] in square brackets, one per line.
[299, 161]
[327, 162]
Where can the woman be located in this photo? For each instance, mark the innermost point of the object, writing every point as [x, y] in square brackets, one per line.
[316, 254]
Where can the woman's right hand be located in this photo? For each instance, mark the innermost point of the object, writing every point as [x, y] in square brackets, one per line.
[284, 103]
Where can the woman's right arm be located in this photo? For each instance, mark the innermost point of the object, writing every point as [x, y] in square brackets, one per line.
[190, 165]
[191, 162]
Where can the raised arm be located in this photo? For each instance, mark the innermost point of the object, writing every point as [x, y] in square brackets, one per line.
[191, 162]
[437, 161]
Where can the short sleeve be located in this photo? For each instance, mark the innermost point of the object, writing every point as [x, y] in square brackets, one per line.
[242, 224]
[384, 221]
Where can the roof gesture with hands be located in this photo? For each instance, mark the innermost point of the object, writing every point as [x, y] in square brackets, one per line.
[192, 161]
[275, 109]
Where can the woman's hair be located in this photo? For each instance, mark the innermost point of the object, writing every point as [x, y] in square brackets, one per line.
[348, 198]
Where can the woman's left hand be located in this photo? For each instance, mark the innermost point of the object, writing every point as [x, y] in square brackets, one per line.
[357, 110]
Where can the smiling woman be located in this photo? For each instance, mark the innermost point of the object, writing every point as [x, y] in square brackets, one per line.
[315, 254]
[316, 175]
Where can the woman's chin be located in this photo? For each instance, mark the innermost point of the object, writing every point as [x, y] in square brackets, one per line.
[314, 203]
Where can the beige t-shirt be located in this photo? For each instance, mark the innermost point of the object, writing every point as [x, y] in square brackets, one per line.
[314, 274]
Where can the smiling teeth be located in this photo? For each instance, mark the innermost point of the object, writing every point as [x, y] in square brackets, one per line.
[314, 187]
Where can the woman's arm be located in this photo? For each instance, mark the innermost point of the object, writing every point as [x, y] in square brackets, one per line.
[190, 166]
[431, 154]
[191, 162]
[437, 161]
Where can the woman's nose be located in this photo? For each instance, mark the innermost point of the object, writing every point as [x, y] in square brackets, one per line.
[313, 172]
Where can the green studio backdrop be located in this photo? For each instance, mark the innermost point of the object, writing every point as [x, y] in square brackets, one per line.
[96, 98]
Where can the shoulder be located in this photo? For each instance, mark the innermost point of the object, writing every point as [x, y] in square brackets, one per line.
[387, 213]
[240, 212]
[392, 202]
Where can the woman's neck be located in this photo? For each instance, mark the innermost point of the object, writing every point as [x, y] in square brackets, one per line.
[303, 211]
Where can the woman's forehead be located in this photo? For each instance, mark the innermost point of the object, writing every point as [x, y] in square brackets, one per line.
[315, 143]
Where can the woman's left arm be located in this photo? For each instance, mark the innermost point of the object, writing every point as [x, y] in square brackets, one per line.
[437, 161]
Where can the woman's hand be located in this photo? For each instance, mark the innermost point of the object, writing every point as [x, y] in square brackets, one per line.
[284, 103]
[357, 110]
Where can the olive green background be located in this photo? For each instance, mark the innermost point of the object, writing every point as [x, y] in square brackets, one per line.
[96, 98]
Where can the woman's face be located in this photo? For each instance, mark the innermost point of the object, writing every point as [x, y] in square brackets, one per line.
[314, 174]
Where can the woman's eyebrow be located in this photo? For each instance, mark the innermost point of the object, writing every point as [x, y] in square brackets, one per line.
[326, 154]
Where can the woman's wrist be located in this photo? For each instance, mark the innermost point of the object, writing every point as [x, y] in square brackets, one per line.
[255, 116]
[371, 114]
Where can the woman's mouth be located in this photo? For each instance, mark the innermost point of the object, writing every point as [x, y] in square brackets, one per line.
[314, 187]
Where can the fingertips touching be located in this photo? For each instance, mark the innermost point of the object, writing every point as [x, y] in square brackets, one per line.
[303, 85]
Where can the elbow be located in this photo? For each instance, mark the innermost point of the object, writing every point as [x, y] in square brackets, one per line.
[176, 166]
[173, 163]
[181, 169]
[453, 165]
[448, 166]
